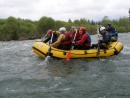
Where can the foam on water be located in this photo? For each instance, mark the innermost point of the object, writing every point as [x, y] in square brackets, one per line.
[26, 75]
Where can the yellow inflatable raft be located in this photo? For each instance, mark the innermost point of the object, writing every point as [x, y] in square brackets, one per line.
[41, 49]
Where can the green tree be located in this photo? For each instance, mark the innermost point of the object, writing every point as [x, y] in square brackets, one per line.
[105, 20]
[44, 24]
[2, 22]
[59, 24]
[11, 29]
[121, 29]
[70, 21]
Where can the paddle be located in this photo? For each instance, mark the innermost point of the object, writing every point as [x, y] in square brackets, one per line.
[44, 37]
[98, 48]
[49, 50]
[68, 55]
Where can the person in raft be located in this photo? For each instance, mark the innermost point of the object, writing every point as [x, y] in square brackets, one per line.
[64, 40]
[104, 42]
[51, 34]
[85, 41]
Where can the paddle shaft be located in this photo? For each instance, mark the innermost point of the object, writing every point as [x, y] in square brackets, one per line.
[98, 48]
[49, 50]
[44, 37]
[68, 55]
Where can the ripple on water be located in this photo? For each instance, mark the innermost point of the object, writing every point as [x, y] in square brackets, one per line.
[25, 75]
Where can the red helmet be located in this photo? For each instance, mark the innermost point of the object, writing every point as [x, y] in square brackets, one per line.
[49, 32]
[83, 29]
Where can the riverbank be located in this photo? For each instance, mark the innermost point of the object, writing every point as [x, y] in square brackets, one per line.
[24, 38]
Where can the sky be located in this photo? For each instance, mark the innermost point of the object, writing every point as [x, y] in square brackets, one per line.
[64, 9]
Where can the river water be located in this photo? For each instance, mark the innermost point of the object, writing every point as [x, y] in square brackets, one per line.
[23, 74]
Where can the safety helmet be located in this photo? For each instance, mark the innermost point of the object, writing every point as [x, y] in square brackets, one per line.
[49, 32]
[82, 29]
[62, 29]
[102, 28]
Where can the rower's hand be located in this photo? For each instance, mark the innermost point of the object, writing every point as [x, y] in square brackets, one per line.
[73, 42]
[50, 45]
[99, 37]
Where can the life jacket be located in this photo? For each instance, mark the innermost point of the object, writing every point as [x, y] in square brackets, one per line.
[88, 40]
[68, 38]
[106, 38]
[113, 33]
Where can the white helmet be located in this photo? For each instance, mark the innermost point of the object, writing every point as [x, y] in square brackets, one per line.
[102, 28]
[63, 29]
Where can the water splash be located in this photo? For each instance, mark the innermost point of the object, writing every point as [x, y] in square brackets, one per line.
[45, 62]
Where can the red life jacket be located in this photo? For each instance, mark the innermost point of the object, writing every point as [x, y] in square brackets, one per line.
[68, 38]
[85, 40]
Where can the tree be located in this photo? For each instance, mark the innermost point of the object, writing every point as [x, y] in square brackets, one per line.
[2, 22]
[70, 21]
[11, 29]
[105, 20]
[45, 23]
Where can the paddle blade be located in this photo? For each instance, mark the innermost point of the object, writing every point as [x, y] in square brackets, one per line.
[68, 56]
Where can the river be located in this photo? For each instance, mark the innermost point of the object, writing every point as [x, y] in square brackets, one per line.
[23, 74]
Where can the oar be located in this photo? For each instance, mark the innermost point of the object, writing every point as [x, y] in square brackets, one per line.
[44, 37]
[49, 50]
[98, 48]
[68, 55]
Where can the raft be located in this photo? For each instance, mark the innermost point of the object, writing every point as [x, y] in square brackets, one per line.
[41, 49]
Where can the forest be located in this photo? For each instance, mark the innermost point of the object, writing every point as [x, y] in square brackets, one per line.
[22, 29]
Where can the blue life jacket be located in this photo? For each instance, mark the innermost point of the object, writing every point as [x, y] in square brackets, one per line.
[113, 33]
[89, 38]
